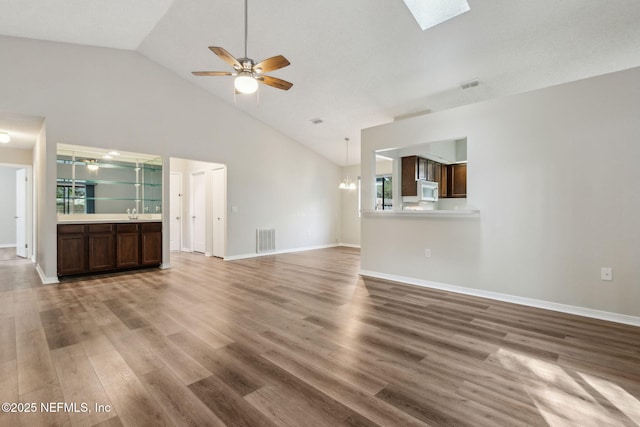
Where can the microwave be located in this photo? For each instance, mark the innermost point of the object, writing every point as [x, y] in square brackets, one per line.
[427, 192]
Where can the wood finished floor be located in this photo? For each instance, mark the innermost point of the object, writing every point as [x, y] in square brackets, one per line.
[301, 340]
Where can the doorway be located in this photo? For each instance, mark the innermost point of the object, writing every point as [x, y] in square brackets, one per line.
[201, 207]
[16, 223]
[198, 212]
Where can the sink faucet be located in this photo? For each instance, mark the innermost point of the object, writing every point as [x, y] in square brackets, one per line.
[132, 213]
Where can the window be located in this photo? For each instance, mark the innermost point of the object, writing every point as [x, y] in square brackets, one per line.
[384, 193]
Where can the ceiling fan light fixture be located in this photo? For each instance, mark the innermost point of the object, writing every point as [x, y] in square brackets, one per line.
[4, 137]
[246, 84]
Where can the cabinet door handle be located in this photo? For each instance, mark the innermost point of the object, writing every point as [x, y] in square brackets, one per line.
[177, 217]
[194, 217]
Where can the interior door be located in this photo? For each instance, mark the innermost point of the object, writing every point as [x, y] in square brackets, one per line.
[21, 213]
[219, 210]
[175, 211]
[198, 212]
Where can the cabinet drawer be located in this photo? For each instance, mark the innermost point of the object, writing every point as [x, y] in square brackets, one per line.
[70, 228]
[127, 228]
[151, 226]
[100, 228]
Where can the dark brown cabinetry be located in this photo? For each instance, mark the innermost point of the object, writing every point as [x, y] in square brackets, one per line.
[91, 248]
[151, 244]
[457, 180]
[451, 179]
[128, 245]
[72, 252]
[101, 247]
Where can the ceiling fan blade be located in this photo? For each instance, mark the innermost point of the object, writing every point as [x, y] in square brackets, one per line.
[211, 73]
[275, 82]
[270, 64]
[226, 57]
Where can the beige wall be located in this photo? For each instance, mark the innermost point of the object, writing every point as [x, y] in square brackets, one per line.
[554, 173]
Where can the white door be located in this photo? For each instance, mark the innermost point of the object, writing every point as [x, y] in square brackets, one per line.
[21, 213]
[219, 210]
[175, 210]
[198, 212]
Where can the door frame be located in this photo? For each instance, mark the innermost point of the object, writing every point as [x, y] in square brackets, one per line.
[223, 202]
[202, 172]
[180, 208]
[30, 203]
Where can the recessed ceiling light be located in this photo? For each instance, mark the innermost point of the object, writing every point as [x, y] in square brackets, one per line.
[107, 156]
[430, 13]
[4, 137]
[114, 153]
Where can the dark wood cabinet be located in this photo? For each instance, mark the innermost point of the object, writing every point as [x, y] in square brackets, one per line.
[451, 179]
[128, 246]
[101, 247]
[409, 176]
[457, 180]
[151, 244]
[72, 253]
[93, 248]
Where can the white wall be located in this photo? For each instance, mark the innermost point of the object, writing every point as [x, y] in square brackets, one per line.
[8, 206]
[554, 173]
[350, 221]
[101, 97]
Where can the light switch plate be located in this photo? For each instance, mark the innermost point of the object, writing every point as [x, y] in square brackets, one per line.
[606, 273]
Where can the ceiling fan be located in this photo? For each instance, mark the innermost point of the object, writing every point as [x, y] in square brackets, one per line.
[248, 72]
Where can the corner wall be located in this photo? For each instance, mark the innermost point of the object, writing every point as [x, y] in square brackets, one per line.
[554, 173]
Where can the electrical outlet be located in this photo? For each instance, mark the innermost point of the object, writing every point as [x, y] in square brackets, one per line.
[427, 253]
[606, 273]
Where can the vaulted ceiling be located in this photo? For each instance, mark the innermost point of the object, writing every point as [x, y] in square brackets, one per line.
[356, 63]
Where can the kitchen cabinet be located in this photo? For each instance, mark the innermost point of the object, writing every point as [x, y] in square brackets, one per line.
[457, 185]
[410, 169]
[416, 168]
[102, 247]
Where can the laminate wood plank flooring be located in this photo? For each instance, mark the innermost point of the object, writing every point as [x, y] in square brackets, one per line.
[300, 340]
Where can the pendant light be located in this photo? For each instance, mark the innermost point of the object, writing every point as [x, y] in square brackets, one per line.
[346, 183]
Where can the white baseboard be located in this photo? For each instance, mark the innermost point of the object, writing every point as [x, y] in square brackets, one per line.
[165, 266]
[209, 254]
[44, 279]
[349, 245]
[530, 302]
[7, 245]
[284, 251]
[186, 250]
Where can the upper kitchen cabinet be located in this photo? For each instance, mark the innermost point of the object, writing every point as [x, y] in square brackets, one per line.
[457, 180]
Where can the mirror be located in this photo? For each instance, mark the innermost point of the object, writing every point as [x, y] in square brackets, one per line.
[429, 176]
[101, 181]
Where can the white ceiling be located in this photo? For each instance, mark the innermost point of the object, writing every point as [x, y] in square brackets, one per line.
[356, 63]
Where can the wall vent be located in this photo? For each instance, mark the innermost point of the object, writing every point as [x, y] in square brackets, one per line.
[265, 240]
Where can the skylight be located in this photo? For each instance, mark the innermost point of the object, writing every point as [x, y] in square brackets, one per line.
[430, 13]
